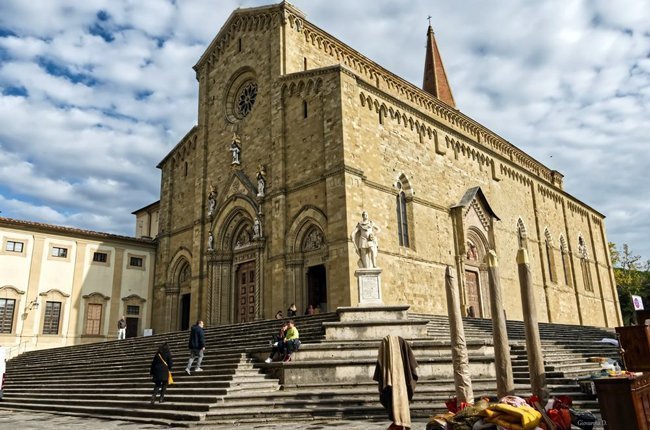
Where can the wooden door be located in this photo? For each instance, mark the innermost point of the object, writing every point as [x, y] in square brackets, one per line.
[132, 326]
[472, 289]
[246, 291]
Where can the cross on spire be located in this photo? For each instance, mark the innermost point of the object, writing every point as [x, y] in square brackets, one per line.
[429, 18]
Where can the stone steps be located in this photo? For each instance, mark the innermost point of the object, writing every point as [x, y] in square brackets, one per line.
[330, 377]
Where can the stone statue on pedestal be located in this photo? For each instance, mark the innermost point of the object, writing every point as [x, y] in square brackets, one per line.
[235, 149]
[364, 238]
[261, 180]
[257, 229]
[212, 201]
[210, 242]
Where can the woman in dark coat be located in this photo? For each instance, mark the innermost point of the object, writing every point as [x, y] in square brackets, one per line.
[160, 367]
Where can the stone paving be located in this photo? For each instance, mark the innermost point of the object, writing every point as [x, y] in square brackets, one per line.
[18, 420]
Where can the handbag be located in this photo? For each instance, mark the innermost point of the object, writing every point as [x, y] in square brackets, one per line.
[170, 379]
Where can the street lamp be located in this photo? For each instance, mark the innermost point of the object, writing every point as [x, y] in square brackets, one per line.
[33, 304]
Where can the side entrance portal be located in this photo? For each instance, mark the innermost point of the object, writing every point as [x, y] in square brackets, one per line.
[317, 287]
[185, 311]
[246, 292]
[473, 294]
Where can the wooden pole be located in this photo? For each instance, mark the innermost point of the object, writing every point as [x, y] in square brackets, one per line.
[505, 383]
[533, 342]
[462, 381]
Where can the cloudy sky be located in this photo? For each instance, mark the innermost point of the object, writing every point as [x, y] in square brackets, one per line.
[94, 93]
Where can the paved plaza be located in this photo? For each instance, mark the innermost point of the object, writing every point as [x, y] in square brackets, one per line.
[40, 421]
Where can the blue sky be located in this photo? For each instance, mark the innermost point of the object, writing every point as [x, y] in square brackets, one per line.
[94, 94]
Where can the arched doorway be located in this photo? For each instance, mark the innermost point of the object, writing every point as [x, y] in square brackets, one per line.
[473, 220]
[317, 287]
[313, 256]
[185, 294]
[476, 283]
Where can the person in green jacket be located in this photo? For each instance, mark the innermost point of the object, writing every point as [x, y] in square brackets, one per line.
[291, 341]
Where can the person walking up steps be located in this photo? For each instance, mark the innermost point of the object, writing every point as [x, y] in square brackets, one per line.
[197, 347]
[161, 367]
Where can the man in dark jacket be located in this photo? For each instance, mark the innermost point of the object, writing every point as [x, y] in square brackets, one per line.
[121, 328]
[197, 347]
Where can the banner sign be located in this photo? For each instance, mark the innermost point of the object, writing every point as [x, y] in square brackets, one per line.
[637, 302]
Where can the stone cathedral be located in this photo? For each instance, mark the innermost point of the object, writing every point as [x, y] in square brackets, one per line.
[299, 134]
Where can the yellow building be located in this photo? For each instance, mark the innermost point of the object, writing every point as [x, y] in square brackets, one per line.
[298, 134]
[63, 286]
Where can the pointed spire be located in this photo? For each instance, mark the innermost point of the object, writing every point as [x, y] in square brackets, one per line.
[435, 78]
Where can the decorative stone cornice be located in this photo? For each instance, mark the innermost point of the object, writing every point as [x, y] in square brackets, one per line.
[548, 193]
[182, 148]
[384, 79]
[243, 20]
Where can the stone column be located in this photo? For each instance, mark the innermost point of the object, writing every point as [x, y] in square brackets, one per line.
[533, 342]
[116, 293]
[462, 381]
[505, 384]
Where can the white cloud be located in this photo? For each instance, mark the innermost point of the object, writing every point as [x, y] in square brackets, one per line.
[563, 86]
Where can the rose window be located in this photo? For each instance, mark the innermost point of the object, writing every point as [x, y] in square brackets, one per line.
[246, 99]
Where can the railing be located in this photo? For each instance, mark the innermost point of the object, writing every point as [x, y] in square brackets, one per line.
[16, 350]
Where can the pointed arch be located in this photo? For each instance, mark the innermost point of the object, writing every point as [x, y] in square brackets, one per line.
[566, 262]
[301, 224]
[181, 262]
[522, 236]
[404, 211]
[550, 255]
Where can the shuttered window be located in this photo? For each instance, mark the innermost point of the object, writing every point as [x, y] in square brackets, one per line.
[52, 317]
[94, 319]
[7, 307]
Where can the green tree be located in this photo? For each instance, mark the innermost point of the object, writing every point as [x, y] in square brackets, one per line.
[632, 278]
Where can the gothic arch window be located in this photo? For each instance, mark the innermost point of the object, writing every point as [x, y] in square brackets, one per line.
[522, 238]
[550, 257]
[564, 250]
[403, 210]
[583, 253]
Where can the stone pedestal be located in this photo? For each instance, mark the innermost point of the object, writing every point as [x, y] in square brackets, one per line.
[369, 284]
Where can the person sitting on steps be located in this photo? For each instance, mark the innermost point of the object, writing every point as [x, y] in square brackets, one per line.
[291, 341]
[278, 342]
[292, 311]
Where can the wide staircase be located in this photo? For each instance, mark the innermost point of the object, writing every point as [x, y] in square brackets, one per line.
[330, 377]
[566, 350]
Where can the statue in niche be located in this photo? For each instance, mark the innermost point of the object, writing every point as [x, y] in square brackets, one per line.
[210, 242]
[212, 201]
[257, 229]
[472, 253]
[261, 180]
[364, 238]
[314, 240]
[235, 148]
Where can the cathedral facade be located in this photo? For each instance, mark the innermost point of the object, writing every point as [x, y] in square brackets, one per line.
[298, 134]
